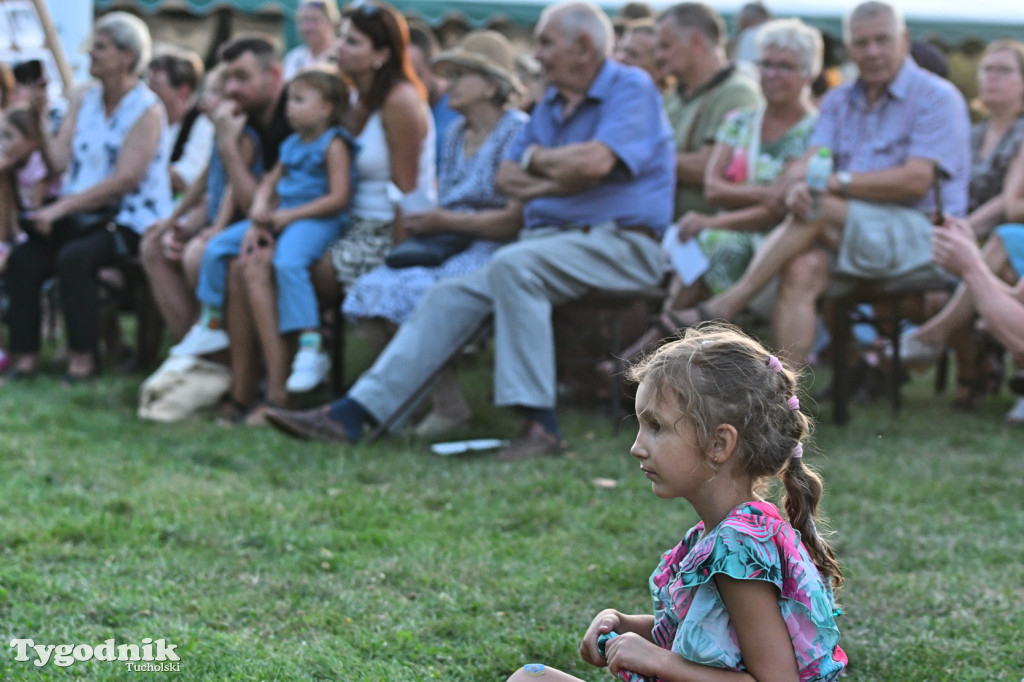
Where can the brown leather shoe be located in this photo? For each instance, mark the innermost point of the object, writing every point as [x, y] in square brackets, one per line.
[533, 441]
[315, 424]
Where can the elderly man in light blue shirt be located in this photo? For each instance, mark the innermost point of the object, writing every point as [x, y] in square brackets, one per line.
[890, 132]
[595, 170]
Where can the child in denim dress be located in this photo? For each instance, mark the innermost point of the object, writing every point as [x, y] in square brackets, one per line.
[300, 205]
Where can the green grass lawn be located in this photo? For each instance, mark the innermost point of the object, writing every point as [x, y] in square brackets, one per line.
[262, 557]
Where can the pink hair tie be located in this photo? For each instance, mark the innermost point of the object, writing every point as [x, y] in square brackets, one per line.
[798, 451]
[793, 402]
[774, 364]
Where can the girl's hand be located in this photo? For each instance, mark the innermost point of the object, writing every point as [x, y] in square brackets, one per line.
[255, 239]
[633, 653]
[425, 222]
[260, 214]
[604, 622]
[278, 220]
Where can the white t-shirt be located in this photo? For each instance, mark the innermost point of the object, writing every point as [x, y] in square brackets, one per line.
[299, 58]
[196, 154]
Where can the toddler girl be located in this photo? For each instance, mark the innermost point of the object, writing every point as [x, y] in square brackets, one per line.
[747, 590]
[299, 205]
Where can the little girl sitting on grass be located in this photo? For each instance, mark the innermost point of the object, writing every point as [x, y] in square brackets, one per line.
[747, 594]
[300, 205]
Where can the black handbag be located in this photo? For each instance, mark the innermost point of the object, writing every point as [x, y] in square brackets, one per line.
[428, 250]
[74, 225]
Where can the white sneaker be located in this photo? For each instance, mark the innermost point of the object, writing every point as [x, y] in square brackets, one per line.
[201, 340]
[1016, 413]
[914, 351]
[309, 370]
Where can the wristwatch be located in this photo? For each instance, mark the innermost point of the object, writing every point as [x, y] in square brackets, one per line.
[527, 157]
[844, 178]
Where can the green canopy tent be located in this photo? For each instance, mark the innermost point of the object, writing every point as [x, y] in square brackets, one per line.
[982, 19]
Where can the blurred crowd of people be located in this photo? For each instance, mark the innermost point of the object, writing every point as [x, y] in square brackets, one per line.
[418, 192]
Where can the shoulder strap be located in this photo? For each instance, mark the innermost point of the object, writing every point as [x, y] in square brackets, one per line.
[186, 127]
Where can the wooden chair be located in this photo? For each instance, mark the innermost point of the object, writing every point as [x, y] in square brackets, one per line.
[132, 294]
[610, 312]
[888, 300]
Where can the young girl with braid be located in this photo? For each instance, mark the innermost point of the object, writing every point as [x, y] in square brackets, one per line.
[747, 594]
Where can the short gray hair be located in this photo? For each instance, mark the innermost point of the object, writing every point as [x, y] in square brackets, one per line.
[870, 10]
[576, 18]
[128, 33]
[797, 37]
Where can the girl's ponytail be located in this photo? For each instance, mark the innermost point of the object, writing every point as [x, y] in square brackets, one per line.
[803, 493]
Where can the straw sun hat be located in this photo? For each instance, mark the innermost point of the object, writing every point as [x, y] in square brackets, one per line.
[486, 52]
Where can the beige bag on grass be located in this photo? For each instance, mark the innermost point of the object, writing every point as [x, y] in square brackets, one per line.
[183, 388]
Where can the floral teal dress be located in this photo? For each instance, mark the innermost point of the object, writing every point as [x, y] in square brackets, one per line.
[730, 251]
[752, 543]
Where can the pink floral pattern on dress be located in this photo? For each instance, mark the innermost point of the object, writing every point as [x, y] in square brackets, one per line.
[754, 542]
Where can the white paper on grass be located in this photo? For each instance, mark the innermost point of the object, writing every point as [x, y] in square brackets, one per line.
[686, 258]
[462, 446]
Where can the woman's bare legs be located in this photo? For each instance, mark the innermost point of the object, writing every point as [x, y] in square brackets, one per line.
[794, 318]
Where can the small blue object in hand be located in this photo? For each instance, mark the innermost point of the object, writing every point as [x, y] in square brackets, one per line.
[603, 640]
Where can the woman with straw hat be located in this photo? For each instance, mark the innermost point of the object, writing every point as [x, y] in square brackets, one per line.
[481, 88]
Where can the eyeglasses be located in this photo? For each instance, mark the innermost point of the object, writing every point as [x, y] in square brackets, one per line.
[998, 70]
[779, 67]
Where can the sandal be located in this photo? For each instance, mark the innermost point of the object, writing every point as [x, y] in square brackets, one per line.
[231, 412]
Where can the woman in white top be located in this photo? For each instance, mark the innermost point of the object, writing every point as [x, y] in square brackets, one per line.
[394, 169]
[109, 146]
[318, 25]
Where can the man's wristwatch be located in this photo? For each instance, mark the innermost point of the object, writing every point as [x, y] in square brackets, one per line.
[844, 178]
[527, 157]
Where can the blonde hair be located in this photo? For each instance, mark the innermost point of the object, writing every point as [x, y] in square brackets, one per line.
[716, 374]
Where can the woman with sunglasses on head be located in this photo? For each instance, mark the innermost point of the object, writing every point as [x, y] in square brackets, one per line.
[395, 171]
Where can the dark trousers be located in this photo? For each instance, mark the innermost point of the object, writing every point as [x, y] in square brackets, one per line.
[74, 262]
